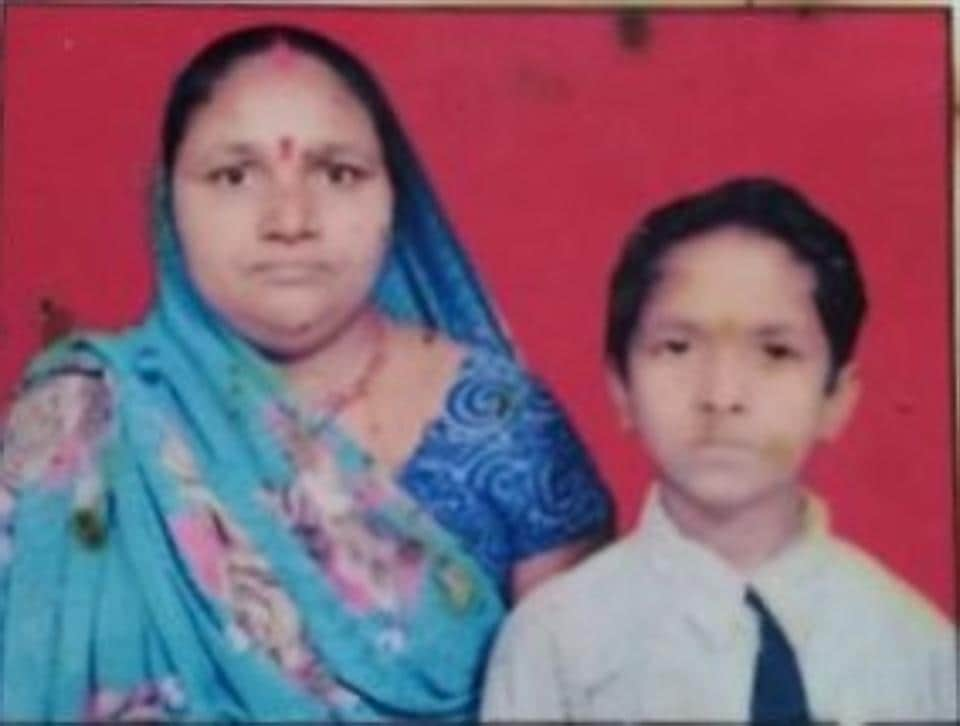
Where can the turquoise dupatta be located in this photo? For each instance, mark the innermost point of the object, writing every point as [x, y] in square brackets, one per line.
[100, 602]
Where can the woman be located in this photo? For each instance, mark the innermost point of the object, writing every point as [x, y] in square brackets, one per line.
[308, 484]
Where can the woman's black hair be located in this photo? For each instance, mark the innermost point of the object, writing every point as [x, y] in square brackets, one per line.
[195, 85]
[763, 205]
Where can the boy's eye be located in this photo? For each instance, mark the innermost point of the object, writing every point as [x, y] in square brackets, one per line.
[671, 346]
[779, 351]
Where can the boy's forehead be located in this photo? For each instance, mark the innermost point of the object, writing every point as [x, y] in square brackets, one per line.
[736, 277]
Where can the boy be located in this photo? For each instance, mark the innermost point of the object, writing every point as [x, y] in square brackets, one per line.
[732, 320]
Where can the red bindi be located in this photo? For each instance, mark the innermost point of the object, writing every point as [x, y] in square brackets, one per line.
[286, 148]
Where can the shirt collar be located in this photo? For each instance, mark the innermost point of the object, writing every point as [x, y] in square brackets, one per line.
[710, 593]
[788, 582]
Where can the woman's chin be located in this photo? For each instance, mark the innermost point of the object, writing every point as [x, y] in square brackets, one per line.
[288, 338]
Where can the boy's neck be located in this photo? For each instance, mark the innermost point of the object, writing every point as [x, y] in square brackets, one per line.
[744, 536]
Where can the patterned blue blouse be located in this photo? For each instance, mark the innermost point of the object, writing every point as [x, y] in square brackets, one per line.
[502, 468]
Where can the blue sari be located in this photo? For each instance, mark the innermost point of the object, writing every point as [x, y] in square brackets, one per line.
[180, 539]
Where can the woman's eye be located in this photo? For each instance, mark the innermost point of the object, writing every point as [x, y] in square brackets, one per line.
[342, 175]
[230, 176]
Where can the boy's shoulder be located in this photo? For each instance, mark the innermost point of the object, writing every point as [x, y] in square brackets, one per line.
[896, 608]
[611, 570]
[588, 608]
[619, 585]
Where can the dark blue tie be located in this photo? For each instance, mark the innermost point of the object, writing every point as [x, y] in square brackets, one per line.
[778, 696]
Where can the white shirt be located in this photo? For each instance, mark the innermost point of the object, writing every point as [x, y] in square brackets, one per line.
[655, 627]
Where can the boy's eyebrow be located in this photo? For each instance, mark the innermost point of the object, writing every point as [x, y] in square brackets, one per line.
[774, 330]
[667, 325]
[683, 325]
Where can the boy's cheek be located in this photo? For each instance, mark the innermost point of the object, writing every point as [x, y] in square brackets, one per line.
[663, 380]
[789, 431]
[660, 408]
[792, 399]
[780, 450]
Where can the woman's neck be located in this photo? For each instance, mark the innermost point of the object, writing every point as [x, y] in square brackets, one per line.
[745, 536]
[335, 365]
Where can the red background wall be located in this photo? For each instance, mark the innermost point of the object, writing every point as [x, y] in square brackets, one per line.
[546, 136]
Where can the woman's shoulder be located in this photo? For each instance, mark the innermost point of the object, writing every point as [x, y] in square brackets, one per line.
[58, 418]
[504, 446]
[485, 396]
[496, 383]
[451, 368]
[484, 361]
[489, 394]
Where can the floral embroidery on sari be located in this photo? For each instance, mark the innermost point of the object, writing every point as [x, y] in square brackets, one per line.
[149, 701]
[372, 567]
[54, 431]
[50, 439]
[229, 568]
[338, 513]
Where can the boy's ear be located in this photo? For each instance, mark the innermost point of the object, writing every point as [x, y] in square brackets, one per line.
[620, 395]
[841, 402]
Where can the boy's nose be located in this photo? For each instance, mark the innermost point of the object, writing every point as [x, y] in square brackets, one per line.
[724, 384]
[289, 216]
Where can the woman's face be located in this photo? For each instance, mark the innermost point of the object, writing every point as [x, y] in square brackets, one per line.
[283, 202]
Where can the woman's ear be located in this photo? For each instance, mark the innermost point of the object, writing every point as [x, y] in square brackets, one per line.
[841, 400]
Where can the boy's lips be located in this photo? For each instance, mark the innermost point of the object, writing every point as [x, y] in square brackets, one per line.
[725, 442]
[288, 272]
[724, 449]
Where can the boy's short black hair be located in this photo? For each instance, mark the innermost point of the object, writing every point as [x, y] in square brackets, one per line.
[763, 205]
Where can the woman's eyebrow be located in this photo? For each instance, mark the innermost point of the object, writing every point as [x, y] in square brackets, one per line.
[218, 153]
[329, 149]
[321, 151]
[237, 148]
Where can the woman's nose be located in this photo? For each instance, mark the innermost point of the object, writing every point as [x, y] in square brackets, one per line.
[290, 214]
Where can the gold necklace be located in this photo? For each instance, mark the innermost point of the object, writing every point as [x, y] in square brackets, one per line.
[333, 404]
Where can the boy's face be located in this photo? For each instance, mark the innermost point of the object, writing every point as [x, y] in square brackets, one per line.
[727, 370]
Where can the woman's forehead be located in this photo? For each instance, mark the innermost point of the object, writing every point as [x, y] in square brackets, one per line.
[280, 73]
[299, 99]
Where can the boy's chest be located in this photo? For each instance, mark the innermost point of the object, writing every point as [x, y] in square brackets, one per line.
[670, 673]
[677, 672]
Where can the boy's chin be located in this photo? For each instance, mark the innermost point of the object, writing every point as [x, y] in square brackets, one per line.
[721, 494]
